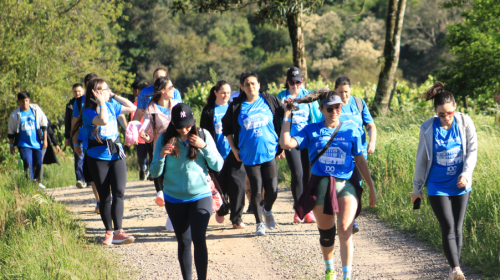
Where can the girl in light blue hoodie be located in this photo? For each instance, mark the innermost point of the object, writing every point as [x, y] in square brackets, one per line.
[182, 156]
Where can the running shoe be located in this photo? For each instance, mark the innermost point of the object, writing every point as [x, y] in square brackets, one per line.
[249, 210]
[41, 186]
[261, 230]
[80, 184]
[142, 175]
[355, 227]
[108, 238]
[456, 274]
[330, 274]
[96, 210]
[296, 219]
[169, 225]
[309, 218]
[122, 238]
[240, 226]
[219, 219]
[269, 220]
[159, 199]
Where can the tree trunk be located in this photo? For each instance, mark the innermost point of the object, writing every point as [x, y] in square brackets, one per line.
[294, 22]
[394, 26]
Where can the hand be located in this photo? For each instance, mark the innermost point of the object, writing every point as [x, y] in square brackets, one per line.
[236, 154]
[99, 97]
[67, 143]
[58, 149]
[371, 148]
[77, 150]
[197, 142]
[12, 150]
[373, 198]
[44, 146]
[167, 150]
[144, 136]
[462, 182]
[281, 156]
[415, 196]
[288, 113]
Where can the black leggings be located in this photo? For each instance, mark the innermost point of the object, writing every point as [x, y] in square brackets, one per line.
[450, 212]
[300, 169]
[190, 221]
[262, 175]
[232, 181]
[106, 173]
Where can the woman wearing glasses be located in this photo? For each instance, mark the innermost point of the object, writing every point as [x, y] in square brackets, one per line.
[334, 149]
[446, 157]
[106, 158]
[298, 161]
[252, 125]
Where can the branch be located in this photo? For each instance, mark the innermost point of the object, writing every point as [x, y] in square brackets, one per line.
[71, 7]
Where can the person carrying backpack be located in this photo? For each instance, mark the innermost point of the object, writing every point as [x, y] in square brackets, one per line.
[354, 110]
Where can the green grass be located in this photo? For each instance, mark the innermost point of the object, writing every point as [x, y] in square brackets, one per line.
[57, 176]
[392, 167]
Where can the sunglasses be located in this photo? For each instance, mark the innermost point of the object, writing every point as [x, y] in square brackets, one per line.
[336, 108]
[293, 83]
[448, 114]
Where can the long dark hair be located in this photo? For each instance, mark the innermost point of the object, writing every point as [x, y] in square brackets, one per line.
[94, 84]
[160, 84]
[439, 95]
[211, 96]
[320, 94]
[170, 136]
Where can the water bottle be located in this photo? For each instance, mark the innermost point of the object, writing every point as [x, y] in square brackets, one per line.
[20, 163]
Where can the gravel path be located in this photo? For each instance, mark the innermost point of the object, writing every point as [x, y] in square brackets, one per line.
[289, 252]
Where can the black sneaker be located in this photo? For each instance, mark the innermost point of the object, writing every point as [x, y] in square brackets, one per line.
[142, 175]
[355, 227]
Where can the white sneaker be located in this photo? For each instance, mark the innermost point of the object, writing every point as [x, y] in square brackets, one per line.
[269, 219]
[41, 186]
[456, 274]
[169, 225]
[80, 184]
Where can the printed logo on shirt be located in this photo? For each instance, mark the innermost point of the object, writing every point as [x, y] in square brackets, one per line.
[334, 155]
[256, 121]
[450, 157]
[28, 125]
[300, 116]
[451, 170]
[218, 128]
[109, 130]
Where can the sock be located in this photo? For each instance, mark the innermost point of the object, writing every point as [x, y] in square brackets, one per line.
[117, 231]
[347, 270]
[264, 210]
[329, 264]
[160, 194]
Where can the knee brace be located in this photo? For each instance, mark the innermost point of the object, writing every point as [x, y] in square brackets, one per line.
[327, 236]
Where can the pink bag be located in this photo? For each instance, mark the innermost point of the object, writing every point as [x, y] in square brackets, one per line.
[132, 132]
[216, 197]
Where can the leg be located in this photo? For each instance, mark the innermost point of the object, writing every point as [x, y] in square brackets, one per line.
[199, 215]
[306, 168]
[180, 220]
[27, 157]
[236, 179]
[345, 218]
[99, 170]
[459, 206]
[325, 222]
[293, 158]
[79, 164]
[270, 183]
[40, 173]
[441, 205]
[255, 178]
[88, 177]
[142, 160]
[117, 179]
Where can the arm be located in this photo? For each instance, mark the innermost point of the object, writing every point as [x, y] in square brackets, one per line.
[67, 124]
[471, 158]
[128, 107]
[12, 133]
[74, 140]
[286, 141]
[233, 147]
[365, 172]
[372, 132]
[139, 113]
[123, 121]
[43, 125]
[420, 167]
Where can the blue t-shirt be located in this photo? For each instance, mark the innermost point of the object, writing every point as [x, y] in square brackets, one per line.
[164, 110]
[258, 142]
[338, 160]
[76, 114]
[109, 131]
[27, 131]
[447, 161]
[221, 140]
[146, 95]
[350, 113]
[300, 117]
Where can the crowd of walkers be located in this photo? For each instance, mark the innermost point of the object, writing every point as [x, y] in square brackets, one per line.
[321, 135]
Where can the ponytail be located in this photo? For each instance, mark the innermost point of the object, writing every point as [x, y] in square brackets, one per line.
[211, 96]
[439, 95]
[320, 94]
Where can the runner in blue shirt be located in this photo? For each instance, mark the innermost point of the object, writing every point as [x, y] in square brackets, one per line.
[105, 155]
[332, 188]
[298, 161]
[362, 118]
[232, 176]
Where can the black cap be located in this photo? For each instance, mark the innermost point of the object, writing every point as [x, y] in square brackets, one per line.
[294, 74]
[182, 116]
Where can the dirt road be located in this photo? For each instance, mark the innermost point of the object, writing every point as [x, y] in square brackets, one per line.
[291, 251]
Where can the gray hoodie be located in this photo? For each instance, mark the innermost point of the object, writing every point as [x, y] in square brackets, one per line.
[425, 152]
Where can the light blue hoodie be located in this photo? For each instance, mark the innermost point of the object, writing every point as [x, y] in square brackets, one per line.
[186, 179]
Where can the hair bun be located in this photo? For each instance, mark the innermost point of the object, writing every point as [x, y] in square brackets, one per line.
[436, 89]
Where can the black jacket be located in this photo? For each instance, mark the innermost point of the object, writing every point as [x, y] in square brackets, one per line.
[207, 119]
[50, 155]
[68, 118]
[230, 125]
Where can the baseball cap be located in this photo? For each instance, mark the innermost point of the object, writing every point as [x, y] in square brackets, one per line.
[182, 116]
[294, 74]
[331, 100]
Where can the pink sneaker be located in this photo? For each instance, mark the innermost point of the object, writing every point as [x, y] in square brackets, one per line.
[108, 238]
[159, 199]
[296, 219]
[122, 238]
[240, 226]
[309, 218]
[219, 219]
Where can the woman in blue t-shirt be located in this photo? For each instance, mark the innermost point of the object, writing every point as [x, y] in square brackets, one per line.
[232, 176]
[446, 157]
[105, 156]
[333, 187]
[252, 124]
[298, 161]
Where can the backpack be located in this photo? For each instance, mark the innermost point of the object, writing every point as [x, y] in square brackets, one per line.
[359, 104]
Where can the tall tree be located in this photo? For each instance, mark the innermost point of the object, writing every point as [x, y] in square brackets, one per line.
[394, 26]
